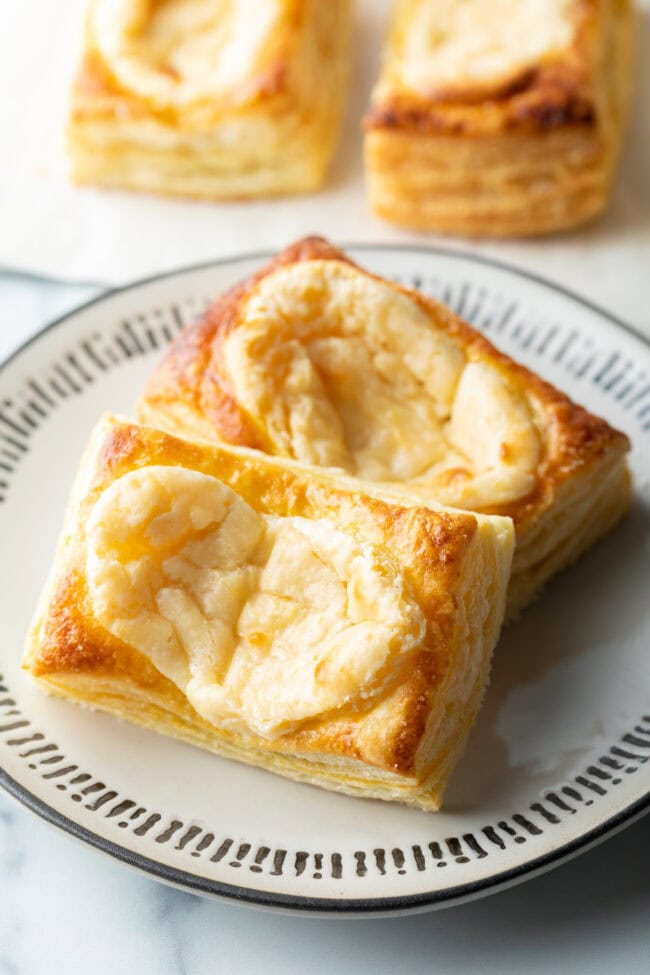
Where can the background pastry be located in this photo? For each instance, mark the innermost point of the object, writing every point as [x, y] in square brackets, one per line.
[498, 117]
[315, 359]
[272, 614]
[209, 98]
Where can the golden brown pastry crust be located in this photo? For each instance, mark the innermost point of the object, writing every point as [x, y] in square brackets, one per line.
[530, 153]
[402, 745]
[272, 132]
[190, 390]
[537, 97]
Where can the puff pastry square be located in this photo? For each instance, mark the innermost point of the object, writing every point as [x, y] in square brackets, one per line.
[315, 359]
[209, 98]
[274, 615]
[498, 117]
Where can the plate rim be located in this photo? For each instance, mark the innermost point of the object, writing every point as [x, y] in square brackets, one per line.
[111, 291]
[298, 903]
[303, 904]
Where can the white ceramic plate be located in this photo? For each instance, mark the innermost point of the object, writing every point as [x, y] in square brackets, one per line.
[559, 757]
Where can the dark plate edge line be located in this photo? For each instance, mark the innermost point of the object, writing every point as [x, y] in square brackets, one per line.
[304, 904]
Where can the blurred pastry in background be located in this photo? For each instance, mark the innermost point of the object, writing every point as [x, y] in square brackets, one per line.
[498, 117]
[209, 98]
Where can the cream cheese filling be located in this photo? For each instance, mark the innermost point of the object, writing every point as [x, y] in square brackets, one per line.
[458, 44]
[264, 622]
[176, 52]
[339, 370]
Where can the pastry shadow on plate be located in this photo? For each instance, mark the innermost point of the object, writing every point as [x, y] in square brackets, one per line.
[553, 669]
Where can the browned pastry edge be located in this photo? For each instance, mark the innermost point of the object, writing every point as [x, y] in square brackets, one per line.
[98, 94]
[545, 96]
[431, 546]
[540, 99]
[192, 373]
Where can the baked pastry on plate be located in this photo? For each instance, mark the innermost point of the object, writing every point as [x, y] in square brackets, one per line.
[209, 98]
[273, 614]
[498, 117]
[316, 359]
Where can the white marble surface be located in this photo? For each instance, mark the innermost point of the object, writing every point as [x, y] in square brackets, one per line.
[65, 908]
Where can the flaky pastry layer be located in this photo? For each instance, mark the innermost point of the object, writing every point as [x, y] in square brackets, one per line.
[280, 616]
[499, 118]
[315, 359]
[205, 99]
